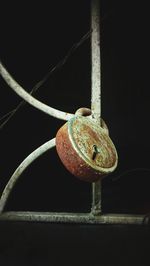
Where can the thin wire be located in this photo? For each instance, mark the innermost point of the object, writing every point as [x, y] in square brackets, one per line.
[40, 83]
[60, 64]
[12, 83]
[4, 116]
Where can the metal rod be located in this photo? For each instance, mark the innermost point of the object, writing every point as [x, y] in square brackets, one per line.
[96, 90]
[95, 217]
[86, 218]
[21, 168]
[14, 85]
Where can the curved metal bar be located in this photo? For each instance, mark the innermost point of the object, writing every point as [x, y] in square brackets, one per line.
[30, 99]
[21, 168]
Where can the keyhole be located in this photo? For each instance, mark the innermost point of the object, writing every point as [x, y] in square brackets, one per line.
[95, 152]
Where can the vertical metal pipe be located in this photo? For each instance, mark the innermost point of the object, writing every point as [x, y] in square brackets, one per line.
[96, 90]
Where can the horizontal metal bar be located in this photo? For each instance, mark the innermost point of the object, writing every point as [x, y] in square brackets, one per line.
[87, 218]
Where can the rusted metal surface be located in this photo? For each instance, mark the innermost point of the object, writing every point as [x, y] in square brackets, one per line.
[84, 111]
[85, 149]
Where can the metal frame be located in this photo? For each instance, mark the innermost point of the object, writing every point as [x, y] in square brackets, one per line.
[95, 216]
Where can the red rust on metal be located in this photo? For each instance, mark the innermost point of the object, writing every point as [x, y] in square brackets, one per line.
[84, 111]
[77, 141]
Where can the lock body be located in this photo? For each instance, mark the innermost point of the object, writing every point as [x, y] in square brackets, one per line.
[85, 149]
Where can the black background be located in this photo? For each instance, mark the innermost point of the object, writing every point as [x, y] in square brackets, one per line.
[35, 36]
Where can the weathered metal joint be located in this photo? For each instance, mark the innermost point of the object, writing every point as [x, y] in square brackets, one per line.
[85, 148]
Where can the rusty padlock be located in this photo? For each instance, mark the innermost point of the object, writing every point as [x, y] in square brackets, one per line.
[85, 148]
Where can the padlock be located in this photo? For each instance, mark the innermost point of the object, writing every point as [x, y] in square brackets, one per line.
[85, 148]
